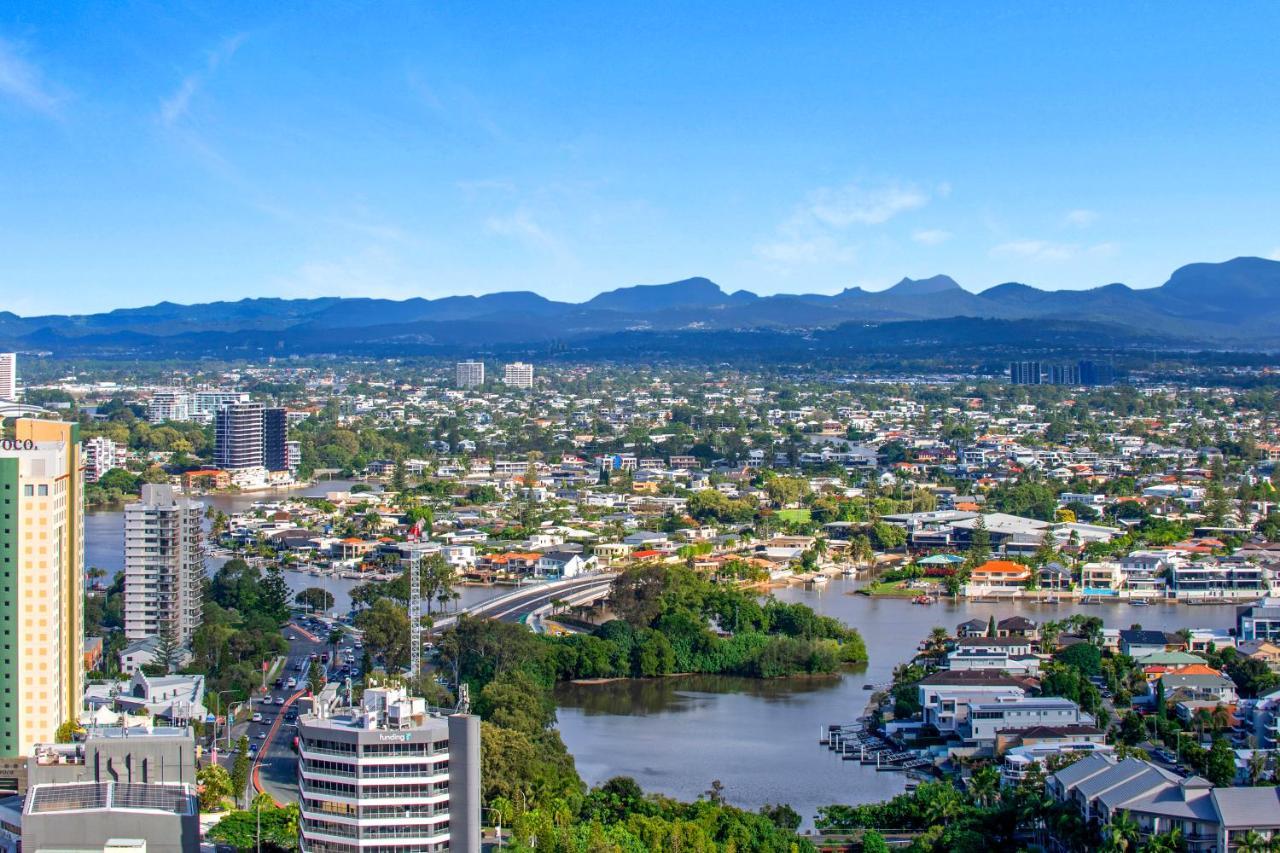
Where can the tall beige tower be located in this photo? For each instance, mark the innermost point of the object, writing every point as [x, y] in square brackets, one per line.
[41, 582]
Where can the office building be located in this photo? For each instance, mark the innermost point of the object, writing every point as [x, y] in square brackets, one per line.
[163, 565]
[8, 376]
[140, 755]
[470, 374]
[1083, 372]
[169, 404]
[1025, 373]
[237, 437]
[115, 817]
[518, 375]
[275, 433]
[390, 775]
[41, 582]
[101, 454]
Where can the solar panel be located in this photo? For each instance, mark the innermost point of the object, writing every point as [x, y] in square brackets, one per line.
[169, 798]
[172, 798]
[72, 797]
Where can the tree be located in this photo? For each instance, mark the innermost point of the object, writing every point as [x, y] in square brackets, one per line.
[1085, 657]
[979, 543]
[386, 632]
[1123, 832]
[1222, 763]
[240, 768]
[67, 731]
[873, 842]
[315, 679]
[636, 594]
[315, 598]
[215, 786]
[168, 652]
[991, 625]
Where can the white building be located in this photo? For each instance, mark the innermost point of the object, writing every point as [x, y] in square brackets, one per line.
[238, 437]
[169, 404]
[163, 565]
[205, 404]
[389, 775]
[470, 374]
[518, 374]
[101, 454]
[8, 376]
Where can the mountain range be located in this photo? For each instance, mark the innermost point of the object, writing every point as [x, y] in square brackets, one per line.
[1229, 305]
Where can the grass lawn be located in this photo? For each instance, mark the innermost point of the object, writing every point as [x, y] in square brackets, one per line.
[794, 516]
[893, 589]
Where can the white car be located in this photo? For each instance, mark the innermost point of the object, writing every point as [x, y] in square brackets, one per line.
[262, 735]
[257, 718]
[279, 700]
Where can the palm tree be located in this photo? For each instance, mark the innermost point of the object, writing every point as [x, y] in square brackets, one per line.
[1166, 842]
[984, 785]
[938, 638]
[1253, 842]
[1124, 830]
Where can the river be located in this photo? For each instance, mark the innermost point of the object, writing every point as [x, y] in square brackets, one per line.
[760, 739]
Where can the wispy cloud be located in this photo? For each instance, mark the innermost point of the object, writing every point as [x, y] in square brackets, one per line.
[523, 227]
[175, 107]
[1051, 252]
[24, 81]
[857, 204]
[1081, 218]
[931, 236]
[818, 230]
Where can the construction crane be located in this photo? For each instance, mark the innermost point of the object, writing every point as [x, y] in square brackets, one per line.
[413, 565]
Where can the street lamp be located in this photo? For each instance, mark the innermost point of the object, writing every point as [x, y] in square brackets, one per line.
[226, 721]
[497, 825]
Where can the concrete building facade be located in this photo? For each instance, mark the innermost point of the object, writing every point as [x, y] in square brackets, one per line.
[163, 565]
[41, 582]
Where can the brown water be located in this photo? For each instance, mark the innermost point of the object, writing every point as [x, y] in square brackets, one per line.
[760, 738]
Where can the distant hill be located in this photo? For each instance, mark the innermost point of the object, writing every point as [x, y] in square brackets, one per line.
[1234, 304]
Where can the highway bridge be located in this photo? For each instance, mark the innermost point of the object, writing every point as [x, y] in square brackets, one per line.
[519, 603]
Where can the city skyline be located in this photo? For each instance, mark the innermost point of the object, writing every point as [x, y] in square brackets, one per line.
[406, 152]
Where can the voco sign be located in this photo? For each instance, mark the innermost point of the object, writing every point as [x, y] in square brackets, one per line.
[16, 444]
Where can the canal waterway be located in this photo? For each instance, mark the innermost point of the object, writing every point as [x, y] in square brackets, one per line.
[760, 739]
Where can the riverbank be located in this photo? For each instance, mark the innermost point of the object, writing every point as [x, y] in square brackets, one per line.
[757, 735]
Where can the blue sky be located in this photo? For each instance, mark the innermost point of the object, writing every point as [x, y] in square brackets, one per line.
[193, 152]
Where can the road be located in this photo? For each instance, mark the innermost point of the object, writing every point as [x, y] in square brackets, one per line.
[515, 605]
[275, 763]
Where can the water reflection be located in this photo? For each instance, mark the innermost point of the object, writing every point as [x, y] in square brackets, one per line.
[683, 694]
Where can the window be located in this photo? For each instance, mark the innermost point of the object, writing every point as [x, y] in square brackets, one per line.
[28, 490]
[42, 490]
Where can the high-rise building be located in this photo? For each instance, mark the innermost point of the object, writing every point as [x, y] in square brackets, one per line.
[169, 404]
[8, 376]
[237, 437]
[275, 434]
[163, 565]
[470, 374]
[518, 375]
[101, 454]
[1025, 373]
[390, 775]
[205, 404]
[293, 455]
[41, 582]
[1093, 373]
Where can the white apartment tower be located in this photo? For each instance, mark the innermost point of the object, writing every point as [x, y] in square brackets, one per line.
[169, 404]
[470, 374]
[163, 565]
[8, 376]
[390, 776]
[238, 437]
[518, 375]
[101, 454]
